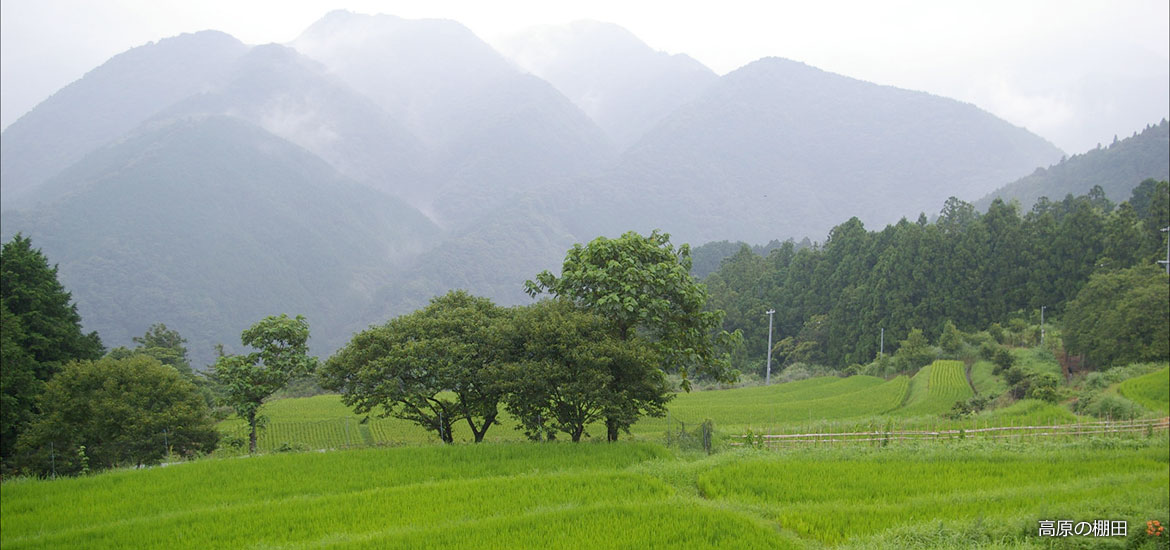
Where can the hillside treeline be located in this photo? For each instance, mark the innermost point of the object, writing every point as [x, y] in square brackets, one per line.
[970, 268]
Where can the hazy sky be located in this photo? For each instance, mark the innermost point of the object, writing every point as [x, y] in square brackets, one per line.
[1074, 72]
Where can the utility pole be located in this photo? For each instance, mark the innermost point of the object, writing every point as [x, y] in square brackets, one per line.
[1166, 262]
[882, 348]
[768, 379]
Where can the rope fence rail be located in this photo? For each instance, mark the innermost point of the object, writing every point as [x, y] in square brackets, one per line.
[995, 432]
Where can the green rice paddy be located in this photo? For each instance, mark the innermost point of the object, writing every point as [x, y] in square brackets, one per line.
[563, 495]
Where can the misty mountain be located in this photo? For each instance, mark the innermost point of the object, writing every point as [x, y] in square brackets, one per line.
[293, 97]
[106, 103]
[376, 162]
[494, 131]
[209, 224]
[621, 83]
[1118, 169]
[793, 150]
[774, 150]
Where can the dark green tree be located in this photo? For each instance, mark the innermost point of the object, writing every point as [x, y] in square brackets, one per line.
[571, 370]
[643, 287]
[163, 344]
[247, 380]
[1121, 317]
[914, 352]
[432, 367]
[42, 332]
[125, 412]
[19, 382]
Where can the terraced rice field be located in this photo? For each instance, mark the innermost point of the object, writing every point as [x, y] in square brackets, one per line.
[1151, 391]
[936, 388]
[838, 496]
[625, 495]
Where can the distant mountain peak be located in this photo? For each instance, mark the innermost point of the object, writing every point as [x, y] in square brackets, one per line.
[623, 84]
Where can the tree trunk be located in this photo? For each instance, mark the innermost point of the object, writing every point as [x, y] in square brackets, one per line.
[487, 422]
[611, 429]
[252, 435]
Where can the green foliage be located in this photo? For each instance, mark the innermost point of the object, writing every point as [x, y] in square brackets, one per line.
[1028, 383]
[914, 352]
[951, 278]
[41, 332]
[1108, 407]
[572, 370]
[643, 284]
[951, 340]
[1116, 169]
[1003, 359]
[115, 412]
[1121, 317]
[407, 366]
[963, 409]
[282, 354]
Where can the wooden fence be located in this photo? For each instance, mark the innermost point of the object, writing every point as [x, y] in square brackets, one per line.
[998, 432]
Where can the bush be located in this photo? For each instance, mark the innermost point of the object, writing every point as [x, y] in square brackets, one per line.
[1003, 359]
[1024, 383]
[794, 372]
[1112, 407]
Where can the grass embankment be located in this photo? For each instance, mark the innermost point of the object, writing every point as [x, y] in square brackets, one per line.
[1151, 391]
[626, 495]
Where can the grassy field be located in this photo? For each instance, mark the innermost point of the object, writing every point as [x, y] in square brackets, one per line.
[987, 383]
[1151, 391]
[814, 404]
[625, 495]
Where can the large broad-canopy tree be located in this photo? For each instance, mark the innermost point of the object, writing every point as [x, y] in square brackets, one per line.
[282, 354]
[124, 412]
[433, 367]
[41, 333]
[643, 287]
[571, 370]
[1121, 317]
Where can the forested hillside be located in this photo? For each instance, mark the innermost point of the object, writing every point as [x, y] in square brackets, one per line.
[209, 224]
[972, 269]
[1116, 169]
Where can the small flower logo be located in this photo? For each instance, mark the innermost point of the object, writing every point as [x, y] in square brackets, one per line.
[1154, 528]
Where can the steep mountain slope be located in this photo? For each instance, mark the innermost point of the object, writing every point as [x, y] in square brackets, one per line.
[775, 150]
[778, 149]
[1118, 169]
[495, 132]
[291, 96]
[106, 103]
[209, 224]
[621, 83]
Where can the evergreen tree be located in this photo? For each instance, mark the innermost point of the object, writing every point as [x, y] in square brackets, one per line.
[41, 332]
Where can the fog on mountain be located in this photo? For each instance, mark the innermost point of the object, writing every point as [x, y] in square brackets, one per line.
[375, 161]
